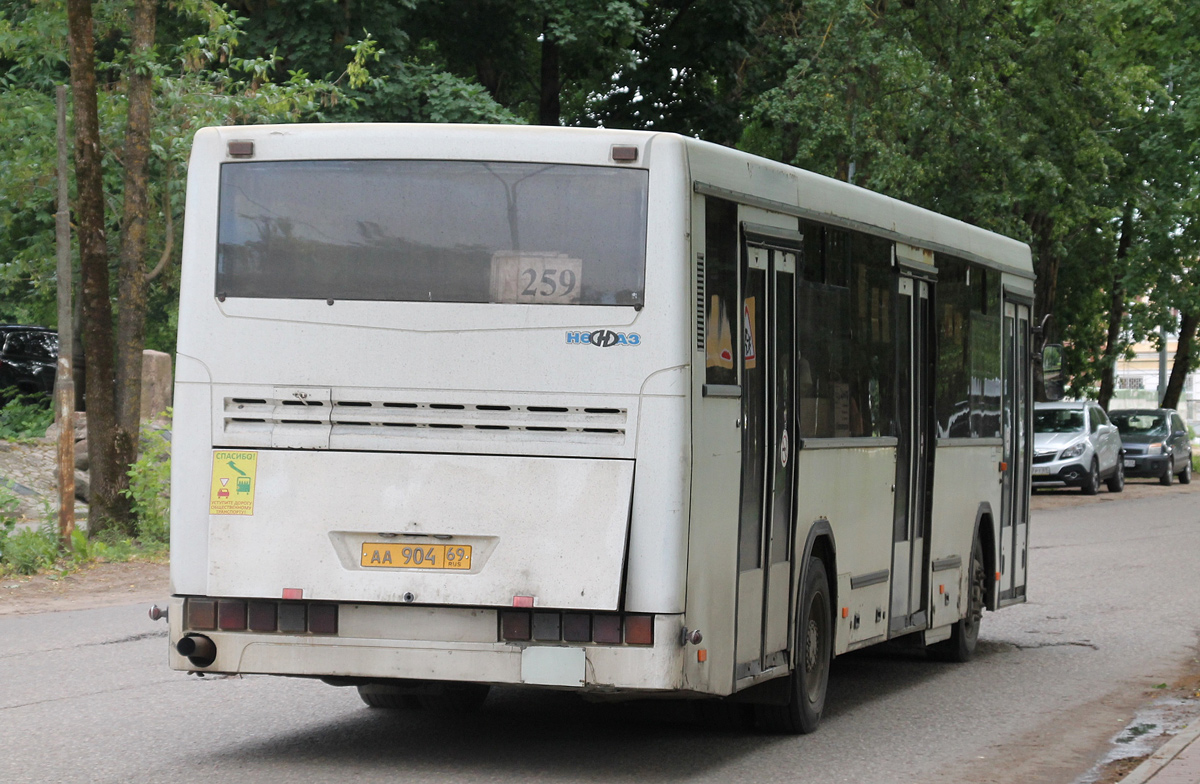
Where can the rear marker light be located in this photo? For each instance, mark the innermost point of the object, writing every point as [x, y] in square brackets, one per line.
[577, 627]
[201, 614]
[261, 617]
[514, 625]
[293, 593]
[293, 618]
[639, 629]
[522, 601]
[547, 627]
[231, 616]
[997, 577]
[624, 153]
[606, 629]
[323, 618]
[845, 612]
[941, 589]
[240, 148]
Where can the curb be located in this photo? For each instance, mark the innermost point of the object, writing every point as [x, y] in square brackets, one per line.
[1161, 758]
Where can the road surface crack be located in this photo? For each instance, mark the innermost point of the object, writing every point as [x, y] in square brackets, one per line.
[1035, 645]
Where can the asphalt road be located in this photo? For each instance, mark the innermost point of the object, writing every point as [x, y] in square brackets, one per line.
[1114, 609]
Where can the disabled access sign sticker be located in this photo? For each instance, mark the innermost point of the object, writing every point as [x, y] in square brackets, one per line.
[233, 483]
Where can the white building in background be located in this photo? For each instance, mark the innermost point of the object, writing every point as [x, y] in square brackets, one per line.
[1138, 382]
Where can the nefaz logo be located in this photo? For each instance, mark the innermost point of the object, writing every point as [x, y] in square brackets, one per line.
[605, 338]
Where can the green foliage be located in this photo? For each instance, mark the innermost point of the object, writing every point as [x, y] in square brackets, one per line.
[8, 507]
[150, 488]
[24, 417]
[29, 550]
[34, 550]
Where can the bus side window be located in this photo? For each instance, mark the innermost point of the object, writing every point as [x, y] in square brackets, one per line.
[720, 286]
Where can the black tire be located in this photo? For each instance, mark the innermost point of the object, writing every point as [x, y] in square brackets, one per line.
[386, 697]
[1116, 482]
[1168, 477]
[1091, 482]
[444, 698]
[455, 698]
[1185, 476]
[964, 638]
[814, 652]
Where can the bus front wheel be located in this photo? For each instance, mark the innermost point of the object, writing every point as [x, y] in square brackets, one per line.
[810, 673]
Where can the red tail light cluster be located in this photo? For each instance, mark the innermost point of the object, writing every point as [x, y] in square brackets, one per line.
[258, 615]
[550, 626]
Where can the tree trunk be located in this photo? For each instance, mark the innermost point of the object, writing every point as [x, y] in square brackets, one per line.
[1116, 311]
[1183, 360]
[93, 262]
[549, 107]
[131, 323]
[1045, 289]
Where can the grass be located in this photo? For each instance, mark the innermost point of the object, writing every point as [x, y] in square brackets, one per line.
[36, 550]
[24, 417]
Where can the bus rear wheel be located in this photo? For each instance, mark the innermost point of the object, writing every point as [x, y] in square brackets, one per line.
[965, 635]
[810, 674]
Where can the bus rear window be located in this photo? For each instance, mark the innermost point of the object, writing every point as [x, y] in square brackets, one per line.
[432, 231]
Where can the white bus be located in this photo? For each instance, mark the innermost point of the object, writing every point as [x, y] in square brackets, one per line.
[624, 413]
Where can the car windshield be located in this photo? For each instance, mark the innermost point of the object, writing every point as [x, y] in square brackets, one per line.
[1140, 424]
[1057, 420]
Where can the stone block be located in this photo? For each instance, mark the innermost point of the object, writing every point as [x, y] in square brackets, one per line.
[157, 381]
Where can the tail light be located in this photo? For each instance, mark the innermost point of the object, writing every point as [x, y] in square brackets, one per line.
[260, 615]
[551, 626]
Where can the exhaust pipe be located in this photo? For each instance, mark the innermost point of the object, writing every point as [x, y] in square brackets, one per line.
[199, 650]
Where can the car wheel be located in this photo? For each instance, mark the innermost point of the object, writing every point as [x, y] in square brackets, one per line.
[814, 646]
[1185, 476]
[1091, 482]
[1116, 482]
[1167, 476]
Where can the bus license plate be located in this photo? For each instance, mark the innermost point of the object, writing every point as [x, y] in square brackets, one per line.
[416, 556]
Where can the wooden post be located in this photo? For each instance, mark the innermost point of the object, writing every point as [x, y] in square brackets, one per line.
[64, 383]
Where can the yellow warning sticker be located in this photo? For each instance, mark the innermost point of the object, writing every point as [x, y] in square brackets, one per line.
[233, 480]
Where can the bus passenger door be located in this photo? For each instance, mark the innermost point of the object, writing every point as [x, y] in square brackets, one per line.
[768, 442]
[1014, 513]
[914, 456]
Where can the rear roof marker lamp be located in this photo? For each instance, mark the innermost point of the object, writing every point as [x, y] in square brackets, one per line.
[624, 153]
[240, 148]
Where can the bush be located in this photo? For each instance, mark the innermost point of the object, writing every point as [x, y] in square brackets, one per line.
[24, 417]
[150, 488]
[27, 551]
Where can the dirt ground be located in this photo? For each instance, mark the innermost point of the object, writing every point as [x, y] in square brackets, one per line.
[1058, 498]
[98, 585]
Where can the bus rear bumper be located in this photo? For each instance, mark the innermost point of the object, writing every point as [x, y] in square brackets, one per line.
[461, 656]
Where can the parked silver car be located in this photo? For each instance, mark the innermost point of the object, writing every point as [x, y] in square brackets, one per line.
[1074, 444]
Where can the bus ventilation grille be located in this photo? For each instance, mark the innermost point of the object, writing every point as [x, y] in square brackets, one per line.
[700, 304]
[365, 420]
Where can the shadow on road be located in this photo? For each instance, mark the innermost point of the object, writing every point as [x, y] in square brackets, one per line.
[554, 735]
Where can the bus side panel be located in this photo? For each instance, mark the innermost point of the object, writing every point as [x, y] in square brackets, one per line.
[852, 489]
[713, 544]
[190, 471]
[657, 566]
[964, 477]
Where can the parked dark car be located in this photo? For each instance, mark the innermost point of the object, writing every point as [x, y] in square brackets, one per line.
[28, 360]
[1156, 443]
